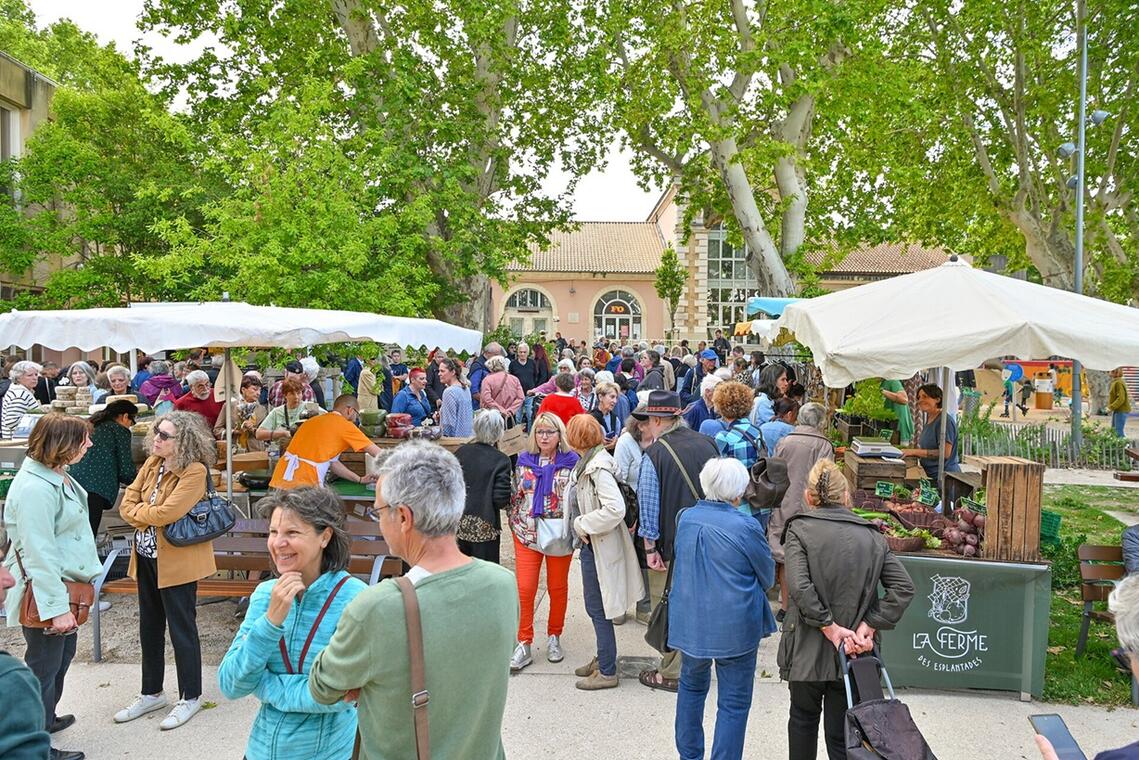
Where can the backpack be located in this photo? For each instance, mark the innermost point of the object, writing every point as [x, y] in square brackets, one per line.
[164, 403]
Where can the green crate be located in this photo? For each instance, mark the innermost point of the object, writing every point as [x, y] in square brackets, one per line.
[1050, 526]
[6, 477]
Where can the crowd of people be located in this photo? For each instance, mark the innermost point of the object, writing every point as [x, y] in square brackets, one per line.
[637, 459]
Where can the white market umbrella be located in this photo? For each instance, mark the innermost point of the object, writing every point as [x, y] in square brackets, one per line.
[223, 324]
[152, 327]
[957, 317]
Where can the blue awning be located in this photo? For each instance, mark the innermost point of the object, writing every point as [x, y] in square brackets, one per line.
[773, 307]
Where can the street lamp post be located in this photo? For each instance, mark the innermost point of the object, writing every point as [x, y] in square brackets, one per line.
[1077, 390]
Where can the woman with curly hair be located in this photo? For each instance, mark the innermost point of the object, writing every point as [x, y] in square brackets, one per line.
[171, 481]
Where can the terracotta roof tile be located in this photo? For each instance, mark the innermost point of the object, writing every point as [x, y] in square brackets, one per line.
[615, 247]
[884, 259]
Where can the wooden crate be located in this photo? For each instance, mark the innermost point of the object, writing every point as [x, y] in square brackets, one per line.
[863, 473]
[1013, 491]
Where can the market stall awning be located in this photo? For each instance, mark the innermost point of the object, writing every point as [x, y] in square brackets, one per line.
[956, 316]
[772, 307]
[765, 329]
[223, 324]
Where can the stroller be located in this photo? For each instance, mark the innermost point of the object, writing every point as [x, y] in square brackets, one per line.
[877, 728]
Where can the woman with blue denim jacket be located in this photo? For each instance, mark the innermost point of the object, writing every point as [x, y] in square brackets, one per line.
[289, 621]
[718, 610]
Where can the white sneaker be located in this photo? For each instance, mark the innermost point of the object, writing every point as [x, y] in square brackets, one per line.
[104, 605]
[521, 657]
[143, 704]
[184, 709]
[554, 650]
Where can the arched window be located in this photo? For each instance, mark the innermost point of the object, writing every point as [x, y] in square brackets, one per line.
[528, 310]
[617, 314]
[528, 299]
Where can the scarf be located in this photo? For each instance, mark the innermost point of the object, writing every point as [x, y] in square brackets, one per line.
[544, 476]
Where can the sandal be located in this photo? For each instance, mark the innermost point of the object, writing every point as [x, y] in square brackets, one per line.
[654, 680]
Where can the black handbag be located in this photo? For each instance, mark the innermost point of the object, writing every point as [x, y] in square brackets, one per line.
[656, 636]
[210, 518]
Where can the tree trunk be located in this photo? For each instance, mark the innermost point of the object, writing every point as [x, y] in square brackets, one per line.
[764, 260]
[474, 311]
[1049, 249]
[1099, 383]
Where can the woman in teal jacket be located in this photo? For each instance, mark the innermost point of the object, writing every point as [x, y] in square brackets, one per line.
[45, 517]
[288, 623]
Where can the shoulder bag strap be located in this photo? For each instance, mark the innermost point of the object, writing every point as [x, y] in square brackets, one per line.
[684, 472]
[760, 450]
[419, 694]
[312, 631]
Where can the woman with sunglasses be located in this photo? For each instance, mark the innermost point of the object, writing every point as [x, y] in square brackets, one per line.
[170, 483]
[109, 463]
[44, 518]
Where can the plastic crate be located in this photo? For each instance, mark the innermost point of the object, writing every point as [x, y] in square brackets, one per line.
[1050, 526]
[6, 477]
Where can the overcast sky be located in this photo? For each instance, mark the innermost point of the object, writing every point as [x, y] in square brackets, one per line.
[605, 195]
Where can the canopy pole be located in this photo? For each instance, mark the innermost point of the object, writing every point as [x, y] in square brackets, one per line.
[228, 429]
[941, 437]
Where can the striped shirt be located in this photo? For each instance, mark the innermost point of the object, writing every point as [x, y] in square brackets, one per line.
[17, 401]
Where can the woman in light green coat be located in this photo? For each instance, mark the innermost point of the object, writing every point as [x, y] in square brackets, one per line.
[45, 517]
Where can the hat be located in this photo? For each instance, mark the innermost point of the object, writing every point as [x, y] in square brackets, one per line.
[709, 354]
[660, 404]
[295, 367]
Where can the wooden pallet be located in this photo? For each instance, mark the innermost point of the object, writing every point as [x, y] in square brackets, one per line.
[863, 473]
[1014, 488]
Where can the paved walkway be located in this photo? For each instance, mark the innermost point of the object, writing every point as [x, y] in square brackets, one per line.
[546, 717]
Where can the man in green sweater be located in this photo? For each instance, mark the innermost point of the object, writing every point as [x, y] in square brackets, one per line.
[22, 734]
[1118, 402]
[469, 613]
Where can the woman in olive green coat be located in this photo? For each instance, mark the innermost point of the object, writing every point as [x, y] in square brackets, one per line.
[834, 555]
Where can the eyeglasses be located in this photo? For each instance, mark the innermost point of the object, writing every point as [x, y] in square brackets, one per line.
[545, 433]
[163, 435]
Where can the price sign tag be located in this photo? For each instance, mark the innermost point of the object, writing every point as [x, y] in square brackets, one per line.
[884, 489]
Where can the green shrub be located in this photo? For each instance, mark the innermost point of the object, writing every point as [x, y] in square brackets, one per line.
[1062, 555]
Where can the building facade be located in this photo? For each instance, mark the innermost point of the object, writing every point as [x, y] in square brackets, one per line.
[598, 279]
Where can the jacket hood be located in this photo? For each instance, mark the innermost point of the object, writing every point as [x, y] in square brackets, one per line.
[599, 459]
[831, 512]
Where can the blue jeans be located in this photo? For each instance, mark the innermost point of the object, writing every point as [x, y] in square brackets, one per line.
[764, 518]
[735, 681]
[595, 608]
[1118, 420]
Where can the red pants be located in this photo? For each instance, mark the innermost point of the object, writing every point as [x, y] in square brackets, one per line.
[527, 567]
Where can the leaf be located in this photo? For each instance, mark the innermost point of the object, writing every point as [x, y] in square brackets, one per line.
[1056, 649]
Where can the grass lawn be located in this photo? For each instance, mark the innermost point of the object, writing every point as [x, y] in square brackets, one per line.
[1093, 678]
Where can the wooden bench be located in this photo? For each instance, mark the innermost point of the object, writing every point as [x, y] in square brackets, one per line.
[1100, 567]
[244, 550]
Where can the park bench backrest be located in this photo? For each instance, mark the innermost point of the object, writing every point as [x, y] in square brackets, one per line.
[245, 547]
[1100, 567]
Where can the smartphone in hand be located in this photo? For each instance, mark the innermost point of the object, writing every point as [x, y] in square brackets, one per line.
[1052, 727]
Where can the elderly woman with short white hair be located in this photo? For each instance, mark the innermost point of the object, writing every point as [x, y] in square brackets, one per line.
[702, 409]
[500, 390]
[119, 378]
[486, 471]
[718, 611]
[20, 397]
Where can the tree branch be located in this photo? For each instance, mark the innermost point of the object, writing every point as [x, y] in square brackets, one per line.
[742, 80]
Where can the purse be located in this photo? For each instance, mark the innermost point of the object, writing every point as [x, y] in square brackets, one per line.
[555, 535]
[656, 635]
[210, 518]
[80, 596]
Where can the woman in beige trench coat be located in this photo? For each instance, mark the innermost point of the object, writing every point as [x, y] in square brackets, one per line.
[611, 577]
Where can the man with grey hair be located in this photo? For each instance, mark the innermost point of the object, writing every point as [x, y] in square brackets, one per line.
[469, 614]
[19, 399]
[478, 370]
[200, 399]
[800, 449]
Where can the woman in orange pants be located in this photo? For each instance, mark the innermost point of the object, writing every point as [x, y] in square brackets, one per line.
[541, 481]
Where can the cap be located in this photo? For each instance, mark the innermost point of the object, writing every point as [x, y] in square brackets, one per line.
[295, 367]
[709, 354]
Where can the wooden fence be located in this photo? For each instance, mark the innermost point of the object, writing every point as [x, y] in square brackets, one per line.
[1050, 447]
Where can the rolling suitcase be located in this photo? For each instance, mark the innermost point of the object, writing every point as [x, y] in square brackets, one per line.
[877, 728]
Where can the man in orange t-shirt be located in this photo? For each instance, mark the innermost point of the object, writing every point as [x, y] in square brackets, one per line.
[317, 445]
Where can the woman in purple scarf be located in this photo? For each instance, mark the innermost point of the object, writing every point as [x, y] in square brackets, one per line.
[541, 483]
